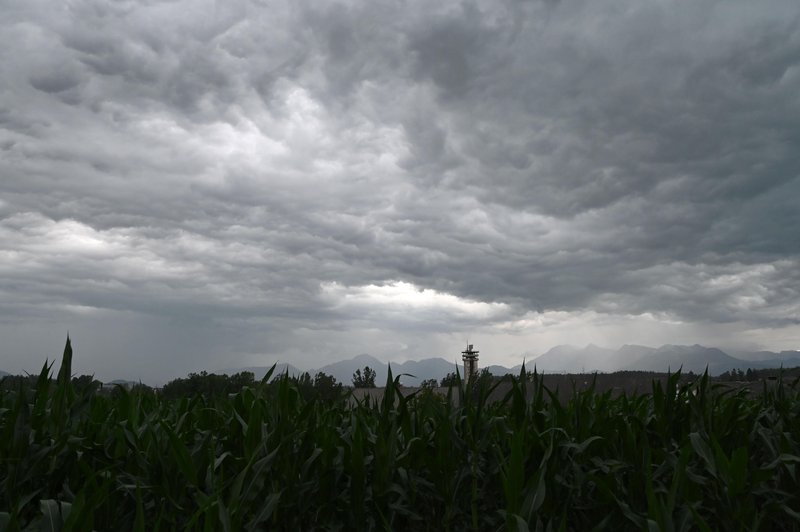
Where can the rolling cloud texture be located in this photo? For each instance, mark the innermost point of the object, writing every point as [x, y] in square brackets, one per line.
[194, 184]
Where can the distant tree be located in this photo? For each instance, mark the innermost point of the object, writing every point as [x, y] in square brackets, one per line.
[451, 379]
[85, 383]
[321, 387]
[207, 384]
[304, 380]
[141, 388]
[429, 383]
[241, 380]
[323, 380]
[303, 383]
[176, 388]
[326, 387]
[364, 380]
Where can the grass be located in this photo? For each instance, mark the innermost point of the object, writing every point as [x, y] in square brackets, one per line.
[686, 456]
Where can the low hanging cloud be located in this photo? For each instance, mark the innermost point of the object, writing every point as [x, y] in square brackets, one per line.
[306, 181]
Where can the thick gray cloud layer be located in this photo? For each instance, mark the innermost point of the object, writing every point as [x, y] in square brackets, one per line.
[193, 183]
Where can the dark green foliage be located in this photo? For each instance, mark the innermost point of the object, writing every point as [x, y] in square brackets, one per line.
[364, 380]
[737, 375]
[207, 384]
[326, 387]
[429, 383]
[451, 379]
[273, 455]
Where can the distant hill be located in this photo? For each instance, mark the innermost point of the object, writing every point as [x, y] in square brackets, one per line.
[769, 359]
[570, 359]
[767, 356]
[690, 358]
[560, 359]
[499, 371]
[4, 374]
[777, 362]
[415, 371]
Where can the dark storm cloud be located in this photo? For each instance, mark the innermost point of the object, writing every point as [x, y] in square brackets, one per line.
[240, 163]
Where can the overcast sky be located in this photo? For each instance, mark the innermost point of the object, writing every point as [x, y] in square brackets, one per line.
[191, 184]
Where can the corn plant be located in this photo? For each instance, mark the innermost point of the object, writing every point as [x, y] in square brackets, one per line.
[687, 455]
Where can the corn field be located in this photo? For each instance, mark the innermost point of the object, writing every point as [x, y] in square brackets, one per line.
[686, 456]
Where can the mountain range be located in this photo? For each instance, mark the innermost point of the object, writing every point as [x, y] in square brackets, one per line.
[562, 359]
[694, 358]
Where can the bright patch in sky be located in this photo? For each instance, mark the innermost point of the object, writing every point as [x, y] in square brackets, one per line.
[234, 183]
[399, 296]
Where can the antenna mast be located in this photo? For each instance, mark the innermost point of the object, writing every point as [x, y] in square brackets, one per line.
[470, 358]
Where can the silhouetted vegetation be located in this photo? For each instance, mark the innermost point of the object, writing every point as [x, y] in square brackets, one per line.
[451, 379]
[365, 379]
[429, 383]
[281, 455]
[207, 384]
[322, 387]
[751, 375]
